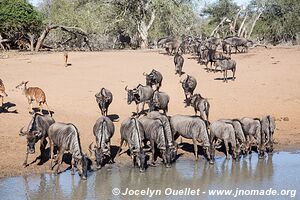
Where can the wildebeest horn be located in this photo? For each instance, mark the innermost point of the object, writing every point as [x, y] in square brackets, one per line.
[91, 149]
[145, 74]
[22, 133]
[126, 88]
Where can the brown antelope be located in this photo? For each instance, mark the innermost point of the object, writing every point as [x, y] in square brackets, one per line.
[66, 58]
[2, 92]
[34, 94]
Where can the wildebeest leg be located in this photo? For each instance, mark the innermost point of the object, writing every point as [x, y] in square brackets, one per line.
[226, 149]
[153, 153]
[120, 148]
[137, 109]
[143, 106]
[72, 166]
[59, 160]
[43, 144]
[1, 102]
[196, 112]
[233, 74]
[26, 158]
[195, 148]
[51, 153]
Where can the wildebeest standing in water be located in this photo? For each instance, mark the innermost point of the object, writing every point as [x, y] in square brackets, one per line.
[268, 128]
[140, 95]
[2, 92]
[154, 78]
[66, 138]
[224, 131]
[132, 132]
[103, 131]
[104, 99]
[37, 131]
[155, 133]
[178, 61]
[188, 85]
[192, 127]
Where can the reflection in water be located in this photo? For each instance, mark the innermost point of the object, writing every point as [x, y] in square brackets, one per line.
[249, 173]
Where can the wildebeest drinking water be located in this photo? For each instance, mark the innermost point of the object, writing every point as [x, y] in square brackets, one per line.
[104, 99]
[155, 133]
[132, 132]
[192, 127]
[37, 131]
[103, 131]
[66, 138]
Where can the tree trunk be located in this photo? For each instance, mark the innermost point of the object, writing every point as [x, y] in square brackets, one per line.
[44, 34]
[253, 24]
[143, 29]
[242, 24]
[235, 20]
[31, 38]
[215, 30]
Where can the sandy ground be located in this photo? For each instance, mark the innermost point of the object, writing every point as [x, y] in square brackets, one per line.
[267, 82]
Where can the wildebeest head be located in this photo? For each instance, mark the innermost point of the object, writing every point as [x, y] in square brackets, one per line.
[150, 80]
[167, 157]
[100, 154]
[82, 166]
[32, 137]
[102, 100]
[132, 95]
[141, 160]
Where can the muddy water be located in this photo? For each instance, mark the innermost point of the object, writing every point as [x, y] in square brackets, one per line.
[278, 172]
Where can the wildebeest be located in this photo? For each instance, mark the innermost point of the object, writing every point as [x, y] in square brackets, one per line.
[199, 104]
[154, 78]
[268, 127]
[159, 101]
[239, 133]
[178, 61]
[188, 85]
[104, 99]
[236, 42]
[155, 133]
[192, 127]
[253, 132]
[103, 131]
[132, 132]
[224, 131]
[123, 39]
[66, 138]
[37, 131]
[226, 65]
[168, 132]
[2, 92]
[140, 95]
[34, 94]
[172, 47]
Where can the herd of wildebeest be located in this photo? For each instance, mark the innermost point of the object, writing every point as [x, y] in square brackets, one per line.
[152, 131]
